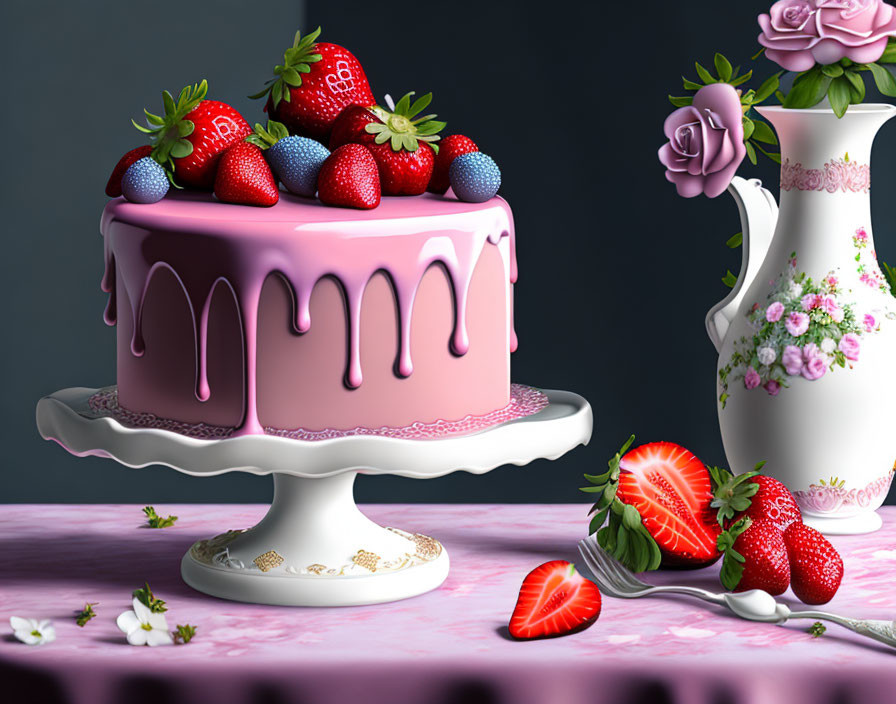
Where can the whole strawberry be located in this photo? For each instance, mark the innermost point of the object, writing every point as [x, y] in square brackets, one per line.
[450, 148]
[312, 86]
[403, 144]
[816, 567]
[245, 178]
[754, 495]
[113, 187]
[755, 557]
[349, 178]
[189, 139]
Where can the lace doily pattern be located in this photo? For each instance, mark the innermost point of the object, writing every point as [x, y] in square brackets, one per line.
[524, 401]
[837, 175]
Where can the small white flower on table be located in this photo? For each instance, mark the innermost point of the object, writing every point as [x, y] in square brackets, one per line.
[144, 627]
[32, 632]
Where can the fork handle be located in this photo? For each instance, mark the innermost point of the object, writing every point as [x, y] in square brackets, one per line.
[703, 594]
[881, 631]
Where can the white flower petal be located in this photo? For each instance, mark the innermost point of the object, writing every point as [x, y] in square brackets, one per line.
[49, 634]
[138, 636]
[44, 625]
[21, 624]
[128, 621]
[157, 637]
[30, 639]
[142, 610]
[158, 621]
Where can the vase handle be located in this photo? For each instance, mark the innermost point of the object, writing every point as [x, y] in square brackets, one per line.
[758, 216]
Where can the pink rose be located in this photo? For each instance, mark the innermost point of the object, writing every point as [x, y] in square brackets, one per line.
[849, 346]
[810, 301]
[774, 312]
[869, 322]
[797, 323]
[830, 306]
[773, 387]
[815, 364]
[792, 359]
[751, 378]
[706, 142]
[799, 33]
[832, 281]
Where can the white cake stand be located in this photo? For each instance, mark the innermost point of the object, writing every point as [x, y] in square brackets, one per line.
[315, 547]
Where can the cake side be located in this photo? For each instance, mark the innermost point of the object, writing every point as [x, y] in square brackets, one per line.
[298, 317]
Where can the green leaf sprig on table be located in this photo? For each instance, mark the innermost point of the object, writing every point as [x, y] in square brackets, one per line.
[817, 629]
[145, 596]
[85, 614]
[183, 634]
[154, 520]
[624, 536]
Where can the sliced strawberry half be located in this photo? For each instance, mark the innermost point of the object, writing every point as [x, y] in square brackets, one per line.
[554, 600]
[671, 490]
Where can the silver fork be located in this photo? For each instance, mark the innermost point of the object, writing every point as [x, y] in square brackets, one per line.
[617, 580]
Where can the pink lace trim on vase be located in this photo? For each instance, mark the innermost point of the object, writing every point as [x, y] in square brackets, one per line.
[829, 498]
[838, 175]
[524, 401]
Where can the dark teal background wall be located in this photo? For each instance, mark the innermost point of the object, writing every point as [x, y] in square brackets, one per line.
[616, 271]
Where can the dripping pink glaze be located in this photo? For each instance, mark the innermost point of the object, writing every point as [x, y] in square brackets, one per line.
[204, 244]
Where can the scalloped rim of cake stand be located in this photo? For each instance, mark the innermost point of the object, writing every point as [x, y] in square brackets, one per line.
[564, 423]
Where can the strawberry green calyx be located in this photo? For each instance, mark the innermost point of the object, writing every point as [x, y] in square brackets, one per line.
[624, 536]
[402, 128]
[168, 134]
[289, 73]
[733, 561]
[731, 494]
[264, 138]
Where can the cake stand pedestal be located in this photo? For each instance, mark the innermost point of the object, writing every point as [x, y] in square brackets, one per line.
[315, 547]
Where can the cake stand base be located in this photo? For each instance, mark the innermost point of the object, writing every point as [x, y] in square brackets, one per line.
[867, 522]
[315, 548]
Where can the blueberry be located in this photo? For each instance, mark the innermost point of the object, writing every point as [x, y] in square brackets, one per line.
[474, 177]
[144, 181]
[296, 161]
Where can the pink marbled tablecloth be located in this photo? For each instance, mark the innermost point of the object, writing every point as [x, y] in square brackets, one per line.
[450, 645]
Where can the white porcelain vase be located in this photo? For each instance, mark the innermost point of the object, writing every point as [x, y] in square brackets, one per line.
[807, 337]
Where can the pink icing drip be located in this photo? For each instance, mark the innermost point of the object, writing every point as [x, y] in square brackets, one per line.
[204, 243]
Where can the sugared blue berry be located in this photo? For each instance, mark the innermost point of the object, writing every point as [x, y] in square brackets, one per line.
[296, 161]
[145, 181]
[474, 177]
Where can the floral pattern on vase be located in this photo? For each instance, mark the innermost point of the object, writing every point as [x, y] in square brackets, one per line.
[805, 329]
[836, 175]
[831, 496]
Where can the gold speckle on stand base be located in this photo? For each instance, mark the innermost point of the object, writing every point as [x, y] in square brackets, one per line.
[268, 560]
[366, 559]
[316, 568]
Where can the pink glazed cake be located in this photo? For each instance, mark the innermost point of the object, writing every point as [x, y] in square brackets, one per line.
[304, 316]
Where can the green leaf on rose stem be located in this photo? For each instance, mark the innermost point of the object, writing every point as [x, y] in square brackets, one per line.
[723, 67]
[748, 127]
[832, 70]
[729, 279]
[740, 81]
[690, 85]
[705, 75]
[883, 79]
[808, 89]
[735, 241]
[678, 102]
[890, 275]
[774, 156]
[857, 87]
[780, 96]
[757, 54]
[763, 133]
[889, 55]
[751, 153]
[839, 94]
[768, 87]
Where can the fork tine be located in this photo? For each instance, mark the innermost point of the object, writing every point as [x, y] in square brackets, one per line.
[611, 574]
[593, 562]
